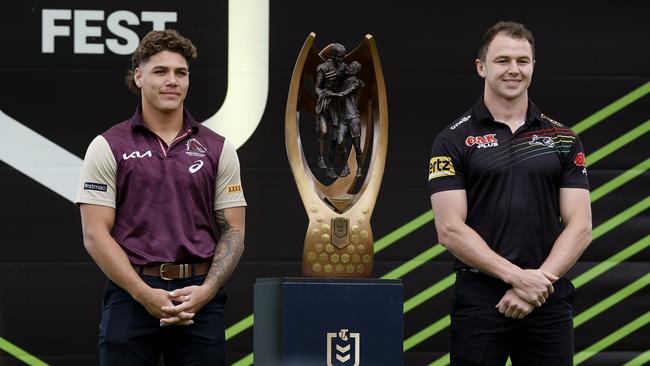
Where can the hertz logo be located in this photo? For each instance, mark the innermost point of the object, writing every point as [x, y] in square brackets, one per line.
[441, 166]
[234, 188]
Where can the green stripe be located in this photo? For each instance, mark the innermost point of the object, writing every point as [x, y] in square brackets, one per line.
[621, 141]
[611, 261]
[612, 338]
[245, 361]
[426, 333]
[639, 360]
[612, 108]
[625, 177]
[403, 230]
[417, 261]
[442, 361]
[620, 218]
[432, 291]
[611, 300]
[239, 327]
[20, 353]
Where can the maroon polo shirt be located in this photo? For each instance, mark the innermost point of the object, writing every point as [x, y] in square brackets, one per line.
[164, 195]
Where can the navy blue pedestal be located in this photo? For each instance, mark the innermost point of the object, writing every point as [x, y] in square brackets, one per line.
[334, 322]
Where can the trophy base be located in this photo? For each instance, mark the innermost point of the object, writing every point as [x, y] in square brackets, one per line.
[338, 246]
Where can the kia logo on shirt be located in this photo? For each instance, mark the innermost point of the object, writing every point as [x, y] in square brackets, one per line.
[137, 154]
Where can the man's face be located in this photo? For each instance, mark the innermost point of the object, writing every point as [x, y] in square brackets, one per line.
[508, 67]
[163, 81]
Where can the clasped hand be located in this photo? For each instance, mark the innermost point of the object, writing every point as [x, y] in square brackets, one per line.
[530, 289]
[176, 307]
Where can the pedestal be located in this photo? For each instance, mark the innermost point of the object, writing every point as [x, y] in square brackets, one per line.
[334, 322]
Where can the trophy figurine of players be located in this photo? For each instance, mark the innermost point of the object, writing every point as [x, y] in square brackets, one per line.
[336, 134]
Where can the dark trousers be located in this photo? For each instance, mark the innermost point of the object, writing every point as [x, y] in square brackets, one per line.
[129, 335]
[480, 335]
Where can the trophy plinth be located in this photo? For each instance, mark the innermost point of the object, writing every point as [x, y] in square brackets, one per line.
[346, 96]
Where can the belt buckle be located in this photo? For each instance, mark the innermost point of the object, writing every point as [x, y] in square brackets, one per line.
[162, 271]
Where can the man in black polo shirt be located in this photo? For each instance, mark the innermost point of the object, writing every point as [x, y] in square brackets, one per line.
[162, 211]
[500, 178]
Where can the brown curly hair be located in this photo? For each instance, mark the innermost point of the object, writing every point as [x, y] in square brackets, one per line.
[154, 42]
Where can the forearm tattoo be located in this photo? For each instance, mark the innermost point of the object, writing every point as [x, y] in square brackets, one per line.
[227, 253]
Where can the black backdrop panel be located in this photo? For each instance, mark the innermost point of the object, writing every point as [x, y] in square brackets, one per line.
[588, 54]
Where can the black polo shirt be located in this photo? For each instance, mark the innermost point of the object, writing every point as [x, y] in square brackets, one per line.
[512, 180]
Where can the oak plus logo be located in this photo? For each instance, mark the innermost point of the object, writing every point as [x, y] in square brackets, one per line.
[484, 141]
[343, 348]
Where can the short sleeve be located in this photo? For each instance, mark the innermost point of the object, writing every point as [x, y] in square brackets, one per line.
[445, 166]
[98, 175]
[228, 188]
[574, 167]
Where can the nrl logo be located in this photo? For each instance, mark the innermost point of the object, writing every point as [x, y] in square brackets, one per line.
[345, 349]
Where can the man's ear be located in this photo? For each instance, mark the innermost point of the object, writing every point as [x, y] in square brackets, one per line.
[480, 67]
[137, 76]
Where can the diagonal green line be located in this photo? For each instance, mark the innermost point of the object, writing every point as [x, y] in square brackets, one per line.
[20, 353]
[620, 218]
[611, 300]
[432, 291]
[402, 231]
[239, 327]
[612, 338]
[639, 360]
[245, 361]
[442, 361]
[625, 177]
[611, 262]
[612, 108]
[427, 332]
[417, 261]
[621, 141]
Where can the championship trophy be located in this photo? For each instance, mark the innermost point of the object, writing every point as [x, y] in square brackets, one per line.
[338, 100]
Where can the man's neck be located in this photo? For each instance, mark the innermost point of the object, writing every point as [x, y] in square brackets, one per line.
[162, 123]
[511, 112]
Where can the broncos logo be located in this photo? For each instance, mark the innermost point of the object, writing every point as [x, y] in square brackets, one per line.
[193, 146]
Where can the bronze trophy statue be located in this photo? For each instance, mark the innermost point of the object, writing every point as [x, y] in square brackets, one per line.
[346, 96]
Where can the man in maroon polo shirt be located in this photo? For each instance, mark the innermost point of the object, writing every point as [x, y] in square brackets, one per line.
[162, 212]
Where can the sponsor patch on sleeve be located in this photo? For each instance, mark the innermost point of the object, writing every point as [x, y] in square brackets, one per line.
[441, 166]
[234, 188]
[89, 186]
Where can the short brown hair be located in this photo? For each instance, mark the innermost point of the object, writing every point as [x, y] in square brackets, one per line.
[510, 29]
[154, 42]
